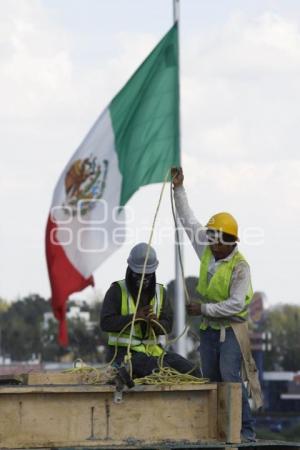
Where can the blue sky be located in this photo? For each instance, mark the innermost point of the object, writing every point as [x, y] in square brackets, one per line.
[62, 61]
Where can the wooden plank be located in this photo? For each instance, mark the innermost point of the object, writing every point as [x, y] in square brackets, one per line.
[69, 378]
[176, 387]
[229, 412]
[13, 379]
[102, 388]
[159, 421]
[90, 376]
[213, 412]
[55, 389]
[181, 445]
[55, 378]
[90, 418]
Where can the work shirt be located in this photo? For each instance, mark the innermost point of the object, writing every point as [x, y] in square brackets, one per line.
[240, 280]
[111, 319]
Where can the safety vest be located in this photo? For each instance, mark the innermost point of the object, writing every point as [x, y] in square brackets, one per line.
[138, 343]
[218, 288]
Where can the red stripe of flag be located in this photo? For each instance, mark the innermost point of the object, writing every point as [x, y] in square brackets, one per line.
[64, 279]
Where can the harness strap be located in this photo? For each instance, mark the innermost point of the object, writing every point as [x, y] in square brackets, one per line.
[222, 333]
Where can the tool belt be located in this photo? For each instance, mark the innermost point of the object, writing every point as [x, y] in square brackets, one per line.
[222, 323]
[249, 369]
[250, 372]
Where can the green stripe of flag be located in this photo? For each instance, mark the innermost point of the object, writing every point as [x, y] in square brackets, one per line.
[145, 118]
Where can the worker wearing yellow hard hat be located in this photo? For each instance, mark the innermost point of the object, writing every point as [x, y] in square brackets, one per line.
[225, 223]
[225, 291]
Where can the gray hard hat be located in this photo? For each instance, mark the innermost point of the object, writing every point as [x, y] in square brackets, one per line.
[137, 258]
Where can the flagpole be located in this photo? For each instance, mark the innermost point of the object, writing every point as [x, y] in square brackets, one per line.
[176, 11]
[179, 291]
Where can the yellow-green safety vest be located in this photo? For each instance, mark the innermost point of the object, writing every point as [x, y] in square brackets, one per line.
[218, 288]
[137, 343]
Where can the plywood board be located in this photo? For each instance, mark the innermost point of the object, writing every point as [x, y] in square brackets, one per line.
[90, 417]
[44, 388]
[55, 378]
[229, 412]
[46, 414]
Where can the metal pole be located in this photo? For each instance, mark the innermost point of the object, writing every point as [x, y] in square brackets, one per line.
[180, 345]
[176, 11]
[179, 299]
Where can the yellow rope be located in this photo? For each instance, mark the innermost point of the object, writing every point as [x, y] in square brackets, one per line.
[128, 356]
[92, 375]
[168, 376]
[162, 376]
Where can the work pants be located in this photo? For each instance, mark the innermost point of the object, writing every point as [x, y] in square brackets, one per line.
[143, 365]
[222, 361]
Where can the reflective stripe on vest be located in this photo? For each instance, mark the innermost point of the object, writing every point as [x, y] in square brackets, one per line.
[128, 306]
[122, 340]
[218, 288]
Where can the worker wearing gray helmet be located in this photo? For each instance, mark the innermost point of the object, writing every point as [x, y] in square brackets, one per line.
[154, 313]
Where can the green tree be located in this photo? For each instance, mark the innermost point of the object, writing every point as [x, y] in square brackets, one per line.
[83, 342]
[284, 323]
[21, 327]
[23, 333]
[4, 305]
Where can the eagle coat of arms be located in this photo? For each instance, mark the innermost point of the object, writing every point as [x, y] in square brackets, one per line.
[85, 182]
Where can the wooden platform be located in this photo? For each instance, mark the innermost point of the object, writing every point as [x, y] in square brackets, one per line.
[85, 416]
[260, 445]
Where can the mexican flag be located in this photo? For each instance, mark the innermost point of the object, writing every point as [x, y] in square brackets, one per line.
[133, 143]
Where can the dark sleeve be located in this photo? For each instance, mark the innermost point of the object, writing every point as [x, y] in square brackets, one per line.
[166, 315]
[111, 319]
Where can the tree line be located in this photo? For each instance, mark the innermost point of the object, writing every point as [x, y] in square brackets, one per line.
[23, 334]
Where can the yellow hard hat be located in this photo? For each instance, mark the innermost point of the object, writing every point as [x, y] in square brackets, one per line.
[224, 222]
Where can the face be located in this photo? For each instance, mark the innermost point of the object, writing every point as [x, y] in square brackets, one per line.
[219, 248]
[137, 277]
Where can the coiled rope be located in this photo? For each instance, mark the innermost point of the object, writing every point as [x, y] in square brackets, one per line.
[167, 376]
[92, 375]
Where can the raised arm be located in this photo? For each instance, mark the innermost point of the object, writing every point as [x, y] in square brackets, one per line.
[193, 228]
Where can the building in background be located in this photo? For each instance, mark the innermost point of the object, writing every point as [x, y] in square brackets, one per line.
[74, 312]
